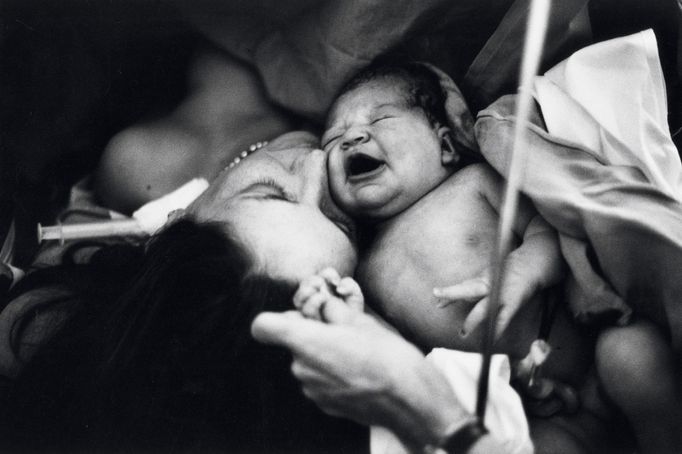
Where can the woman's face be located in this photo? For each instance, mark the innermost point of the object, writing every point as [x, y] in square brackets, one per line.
[277, 202]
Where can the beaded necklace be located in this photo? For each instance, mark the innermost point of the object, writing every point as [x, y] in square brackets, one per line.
[253, 147]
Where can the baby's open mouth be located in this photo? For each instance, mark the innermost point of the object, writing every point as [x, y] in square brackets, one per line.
[361, 164]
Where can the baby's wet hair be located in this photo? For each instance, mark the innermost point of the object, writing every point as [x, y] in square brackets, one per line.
[422, 87]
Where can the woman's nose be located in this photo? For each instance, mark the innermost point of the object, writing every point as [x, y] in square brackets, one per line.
[312, 173]
[354, 138]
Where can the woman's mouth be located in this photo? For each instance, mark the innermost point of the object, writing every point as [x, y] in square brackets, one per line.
[360, 165]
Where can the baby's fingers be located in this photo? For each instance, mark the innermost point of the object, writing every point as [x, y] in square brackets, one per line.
[350, 290]
[307, 288]
[476, 317]
[331, 276]
[313, 306]
[468, 291]
[504, 316]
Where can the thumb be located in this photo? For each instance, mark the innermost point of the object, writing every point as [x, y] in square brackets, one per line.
[276, 328]
[336, 311]
[307, 339]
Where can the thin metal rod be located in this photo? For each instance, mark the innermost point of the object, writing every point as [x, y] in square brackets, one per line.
[532, 53]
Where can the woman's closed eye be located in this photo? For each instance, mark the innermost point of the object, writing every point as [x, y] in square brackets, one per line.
[330, 140]
[270, 189]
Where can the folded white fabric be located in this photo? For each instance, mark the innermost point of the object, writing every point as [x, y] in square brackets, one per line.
[610, 98]
[505, 418]
[153, 215]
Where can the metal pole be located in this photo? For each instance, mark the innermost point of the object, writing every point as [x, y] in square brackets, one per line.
[532, 53]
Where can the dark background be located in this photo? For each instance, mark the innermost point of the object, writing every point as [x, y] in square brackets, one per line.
[72, 74]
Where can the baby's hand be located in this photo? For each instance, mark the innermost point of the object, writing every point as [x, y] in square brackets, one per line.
[516, 290]
[315, 291]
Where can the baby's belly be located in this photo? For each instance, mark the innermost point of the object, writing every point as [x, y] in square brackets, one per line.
[401, 280]
[447, 259]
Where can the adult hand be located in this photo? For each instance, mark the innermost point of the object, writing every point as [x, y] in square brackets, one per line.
[353, 366]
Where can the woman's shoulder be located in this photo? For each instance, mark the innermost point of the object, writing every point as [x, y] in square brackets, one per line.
[294, 139]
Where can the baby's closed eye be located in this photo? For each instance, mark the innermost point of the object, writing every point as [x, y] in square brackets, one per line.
[381, 118]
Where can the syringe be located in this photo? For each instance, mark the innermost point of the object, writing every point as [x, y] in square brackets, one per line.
[114, 227]
[145, 221]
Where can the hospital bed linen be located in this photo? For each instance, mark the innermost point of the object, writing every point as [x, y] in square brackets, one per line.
[606, 176]
[505, 417]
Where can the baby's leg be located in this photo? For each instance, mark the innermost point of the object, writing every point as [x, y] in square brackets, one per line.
[637, 368]
[224, 112]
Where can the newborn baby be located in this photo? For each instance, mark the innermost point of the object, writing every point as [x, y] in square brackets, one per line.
[434, 213]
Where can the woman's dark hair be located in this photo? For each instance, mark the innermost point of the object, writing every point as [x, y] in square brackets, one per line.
[422, 86]
[156, 355]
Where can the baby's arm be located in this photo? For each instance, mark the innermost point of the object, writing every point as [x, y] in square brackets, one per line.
[535, 264]
[316, 291]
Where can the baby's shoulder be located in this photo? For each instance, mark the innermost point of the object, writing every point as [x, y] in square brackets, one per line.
[480, 172]
[473, 176]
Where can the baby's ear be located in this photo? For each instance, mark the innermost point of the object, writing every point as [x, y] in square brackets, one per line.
[449, 154]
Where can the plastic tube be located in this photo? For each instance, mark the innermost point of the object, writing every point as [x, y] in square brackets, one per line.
[115, 227]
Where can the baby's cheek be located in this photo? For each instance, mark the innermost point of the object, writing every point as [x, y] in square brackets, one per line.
[337, 188]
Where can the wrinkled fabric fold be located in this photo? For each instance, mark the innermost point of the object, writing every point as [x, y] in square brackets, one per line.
[620, 227]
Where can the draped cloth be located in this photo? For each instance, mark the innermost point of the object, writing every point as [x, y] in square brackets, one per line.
[602, 169]
[304, 50]
[505, 417]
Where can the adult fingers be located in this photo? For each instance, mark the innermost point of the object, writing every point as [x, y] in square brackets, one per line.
[337, 312]
[281, 328]
[310, 340]
[312, 375]
[304, 372]
[323, 401]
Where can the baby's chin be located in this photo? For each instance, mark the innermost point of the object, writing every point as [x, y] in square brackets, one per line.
[375, 214]
[374, 203]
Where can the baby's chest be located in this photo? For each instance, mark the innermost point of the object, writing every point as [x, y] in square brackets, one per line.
[420, 252]
[446, 239]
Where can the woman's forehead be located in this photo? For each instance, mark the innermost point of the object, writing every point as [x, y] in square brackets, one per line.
[295, 140]
[269, 162]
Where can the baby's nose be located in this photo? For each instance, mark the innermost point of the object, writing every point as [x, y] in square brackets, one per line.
[353, 139]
